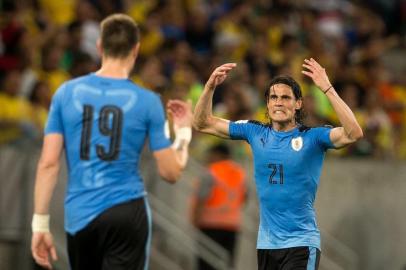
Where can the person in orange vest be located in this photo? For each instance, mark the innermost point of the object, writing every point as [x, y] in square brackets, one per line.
[218, 201]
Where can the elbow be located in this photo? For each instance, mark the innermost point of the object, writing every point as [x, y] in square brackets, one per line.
[200, 124]
[171, 176]
[172, 180]
[197, 125]
[354, 135]
[357, 134]
[48, 164]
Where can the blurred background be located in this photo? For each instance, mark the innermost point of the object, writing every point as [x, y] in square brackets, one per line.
[361, 44]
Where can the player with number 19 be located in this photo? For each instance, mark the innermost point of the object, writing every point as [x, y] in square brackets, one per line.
[102, 121]
[288, 158]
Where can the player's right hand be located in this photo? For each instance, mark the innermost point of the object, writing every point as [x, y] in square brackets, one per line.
[42, 249]
[219, 75]
[181, 112]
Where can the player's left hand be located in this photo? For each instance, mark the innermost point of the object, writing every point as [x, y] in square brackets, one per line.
[181, 112]
[219, 75]
[317, 73]
[42, 248]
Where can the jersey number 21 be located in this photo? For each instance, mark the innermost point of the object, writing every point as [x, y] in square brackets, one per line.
[275, 168]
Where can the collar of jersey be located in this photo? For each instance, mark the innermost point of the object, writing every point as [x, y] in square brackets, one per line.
[103, 78]
[284, 133]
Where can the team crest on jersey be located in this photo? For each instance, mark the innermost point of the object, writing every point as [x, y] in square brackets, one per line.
[297, 143]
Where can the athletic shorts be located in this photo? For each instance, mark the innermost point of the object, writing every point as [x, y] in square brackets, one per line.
[295, 258]
[118, 239]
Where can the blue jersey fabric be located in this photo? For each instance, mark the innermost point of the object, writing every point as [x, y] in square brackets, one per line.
[105, 123]
[287, 167]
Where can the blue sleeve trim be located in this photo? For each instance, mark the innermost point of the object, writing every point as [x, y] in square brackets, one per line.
[325, 138]
[156, 124]
[165, 144]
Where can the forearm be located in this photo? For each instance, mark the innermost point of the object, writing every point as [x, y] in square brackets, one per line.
[181, 146]
[203, 109]
[345, 115]
[46, 179]
[172, 162]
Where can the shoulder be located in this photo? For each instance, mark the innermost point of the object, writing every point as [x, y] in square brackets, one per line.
[246, 128]
[253, 123]
[319, 134]
[150, 94]
[258, 123]
[69, 84]
[77, 80]
[144, 92]
[307, 129]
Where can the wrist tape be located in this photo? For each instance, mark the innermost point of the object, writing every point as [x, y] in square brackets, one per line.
[40, 223]
[182, 135]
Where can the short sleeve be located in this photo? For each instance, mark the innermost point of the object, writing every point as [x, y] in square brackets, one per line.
[240, 130]
[323, 137]
[156, 127]
[54, 122]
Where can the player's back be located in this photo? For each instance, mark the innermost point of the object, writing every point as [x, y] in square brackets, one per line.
[105, 123]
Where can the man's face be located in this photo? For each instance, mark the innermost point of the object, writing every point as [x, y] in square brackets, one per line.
[282, 104]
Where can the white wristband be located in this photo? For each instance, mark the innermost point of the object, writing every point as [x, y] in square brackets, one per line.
[182, 136]
[40, 223]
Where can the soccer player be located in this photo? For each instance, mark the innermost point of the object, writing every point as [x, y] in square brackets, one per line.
[287, 162]
[102, 120]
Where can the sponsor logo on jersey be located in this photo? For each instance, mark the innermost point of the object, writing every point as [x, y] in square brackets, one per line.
[263, 141]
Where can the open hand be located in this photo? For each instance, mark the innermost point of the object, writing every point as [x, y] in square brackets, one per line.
[317, 73]
[181, 112]
[219, 75]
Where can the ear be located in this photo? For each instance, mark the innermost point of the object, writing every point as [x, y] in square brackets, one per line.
[99, 47]
[299, 104]
[135, 50]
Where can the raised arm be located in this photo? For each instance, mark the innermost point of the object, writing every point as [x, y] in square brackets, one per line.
[350, 131]
[203, 119]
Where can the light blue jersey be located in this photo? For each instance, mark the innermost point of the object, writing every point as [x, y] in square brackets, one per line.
[105, 123]
[287, 172]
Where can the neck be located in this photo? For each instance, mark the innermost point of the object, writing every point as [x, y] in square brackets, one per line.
[116, 68]
[284, 126]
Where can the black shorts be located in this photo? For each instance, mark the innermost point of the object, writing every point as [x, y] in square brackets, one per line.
[226, 239]
[118, 239]
[295, 258]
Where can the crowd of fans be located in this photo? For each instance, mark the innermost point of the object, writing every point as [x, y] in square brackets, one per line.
[360, 43]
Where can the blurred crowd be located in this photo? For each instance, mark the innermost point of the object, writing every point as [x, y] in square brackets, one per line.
[360, 43]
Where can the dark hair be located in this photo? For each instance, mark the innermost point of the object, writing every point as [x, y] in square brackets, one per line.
[119, 34]
[297, 92]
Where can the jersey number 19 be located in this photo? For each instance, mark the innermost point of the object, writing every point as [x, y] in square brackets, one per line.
[112, 130]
